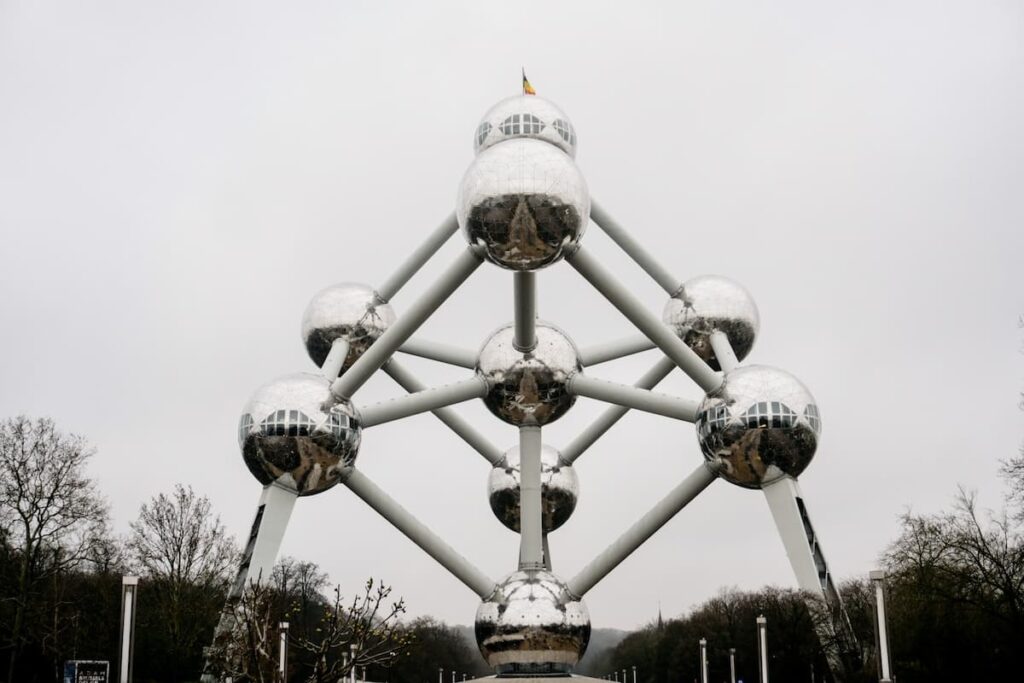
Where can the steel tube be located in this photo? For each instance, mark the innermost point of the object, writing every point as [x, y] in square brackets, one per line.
[644, 528]
[444, 353]
[419, 534]
[396, 335]
[525, 290]
[885, 666]
[466, 431]
[531, 540]
[418, 258]
[604, 422]
[335, 359]
[631, 397]
[615, 349]
[634, 249]
[423, 401]
[659, 333]
[723, 351]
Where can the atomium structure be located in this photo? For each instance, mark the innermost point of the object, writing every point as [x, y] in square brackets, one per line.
[523, 205]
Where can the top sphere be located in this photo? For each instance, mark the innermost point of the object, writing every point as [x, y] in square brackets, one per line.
[349, 311]
[762, 422]
[711, 303]
[525, 116]
[294, 433]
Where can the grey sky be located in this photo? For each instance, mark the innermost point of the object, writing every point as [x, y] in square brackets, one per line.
[177, 179]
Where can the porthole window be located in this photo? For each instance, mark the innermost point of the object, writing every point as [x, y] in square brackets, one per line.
[287, 423]
[482, 132]
[773, 414]
[512, 125]
[564, 128]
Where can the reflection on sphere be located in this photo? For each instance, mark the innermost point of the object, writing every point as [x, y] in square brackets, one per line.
[348, 311]
[559, 489]
[711, 303]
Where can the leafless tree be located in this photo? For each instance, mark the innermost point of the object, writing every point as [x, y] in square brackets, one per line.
[52, 517]
[245, 648]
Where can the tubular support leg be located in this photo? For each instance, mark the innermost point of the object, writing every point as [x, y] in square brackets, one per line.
[723, 351]
[634, 249]
[619, 348]
[423, 401]
[418, 258]
[631, 397]
[335, 359]
[443, 353]
[531, 543]
[525, 311]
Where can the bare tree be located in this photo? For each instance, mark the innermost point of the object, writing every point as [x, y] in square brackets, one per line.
[246, 649]
[51, 515]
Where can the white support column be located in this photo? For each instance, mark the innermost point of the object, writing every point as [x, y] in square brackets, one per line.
[703, 660]
[636, 251]
[613, 350]
[531, 543]
[448, 227]
[443, 353]
[431, 399]
[282, 653]
[723, 351]
[265, 536]
[525, 290]
[882, 626]
[335, 359]
[762, 648]
[129, 600]
[632, 397]
[732, 665]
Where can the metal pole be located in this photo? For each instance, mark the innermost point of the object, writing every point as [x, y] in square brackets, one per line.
[453, 675]
[418, 258]
[659, 333]
[884, 663]
[126, 661]
[703, 660]
[631, 397]
[419, 534]
[609, 417]
[762, 648]
[732, 665]
[525, 311]
[335, 359]
[634, 673]
[352, 671]
[443, 353]
[448, 416]
[474, 386]
[613, 350]
[282, 655]
[531, 544]
[723, 351]
[440, 674]
[644, 528]
[396, 335]
[643, 258]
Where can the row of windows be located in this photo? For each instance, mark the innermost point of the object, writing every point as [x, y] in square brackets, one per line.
[293, 423]
[526, 124]
[773, 414]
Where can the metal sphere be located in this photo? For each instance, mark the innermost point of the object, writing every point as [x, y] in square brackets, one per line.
[525, 201]
[525, 116]
[559, 489]
[711, 303]
[529, 388]
[762, 422]
[295, 433]
[531, 624]
[348, 311]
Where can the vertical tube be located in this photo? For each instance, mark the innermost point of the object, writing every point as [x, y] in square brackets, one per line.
[418, 258]
[884, 663]
[525, 311]
[634, 673]
[762, 648]
[282, 655]
[335, 359]
[352, 672]
[732, 665]
[440, 674]
[129, 592]
[531, 543]
[703, 660]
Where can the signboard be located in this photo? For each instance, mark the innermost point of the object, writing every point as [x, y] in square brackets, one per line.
[86, 671]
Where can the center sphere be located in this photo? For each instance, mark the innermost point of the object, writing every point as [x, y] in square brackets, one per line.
[532, 624]
[529, 387]
[559, 489]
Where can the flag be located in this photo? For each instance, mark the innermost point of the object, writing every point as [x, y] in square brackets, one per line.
[527, 88]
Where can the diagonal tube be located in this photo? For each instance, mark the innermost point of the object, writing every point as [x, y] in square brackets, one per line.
[466, 431]
[423, 401]
[525, 289]
[531, 540]
[419, 534]
[438, 351]
[631, 397]
[634, 249]
[723, 351]
[396, 335]
[613, 350]
[335, 359]
[612, 415]
[644, 528]
[418, 258]
[659, 333]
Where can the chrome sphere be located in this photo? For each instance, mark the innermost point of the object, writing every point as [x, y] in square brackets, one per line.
[348, 311]
[295, 433]
[531, 624]
[762, 422]
[524, 201]
[711, 303]
[529, 387]
[559, 489]
[525, 116]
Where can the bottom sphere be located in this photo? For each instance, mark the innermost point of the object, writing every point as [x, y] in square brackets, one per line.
[531, 624]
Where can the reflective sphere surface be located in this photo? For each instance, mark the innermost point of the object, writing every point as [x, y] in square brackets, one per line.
[525, 116]
[559, 489]
[293, 432]
[762, 422]
[524, 201]
[531, 624]
[529, 388]
[348, 311]
[711, 303]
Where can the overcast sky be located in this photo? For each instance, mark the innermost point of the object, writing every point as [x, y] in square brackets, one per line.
[177, 179]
